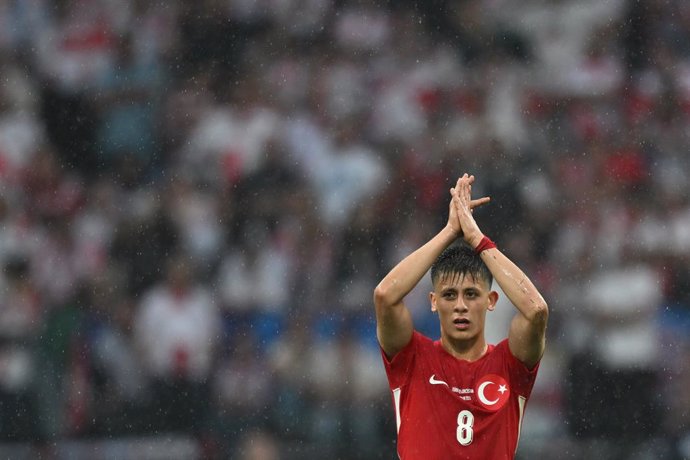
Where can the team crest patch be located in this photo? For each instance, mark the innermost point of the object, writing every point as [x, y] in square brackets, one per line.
[492, 392]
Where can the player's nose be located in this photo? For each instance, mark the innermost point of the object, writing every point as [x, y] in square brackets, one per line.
[460, 306]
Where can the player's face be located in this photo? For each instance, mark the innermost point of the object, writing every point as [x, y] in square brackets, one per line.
[461, 302]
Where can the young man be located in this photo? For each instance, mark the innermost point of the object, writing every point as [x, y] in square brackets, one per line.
[458, 397]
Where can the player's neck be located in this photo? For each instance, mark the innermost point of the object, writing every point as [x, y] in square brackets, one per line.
[469, 350]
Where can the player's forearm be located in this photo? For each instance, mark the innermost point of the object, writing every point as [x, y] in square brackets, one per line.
[516, 285]
[407, 274]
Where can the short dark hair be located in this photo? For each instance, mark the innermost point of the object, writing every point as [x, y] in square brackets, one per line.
[460, 259]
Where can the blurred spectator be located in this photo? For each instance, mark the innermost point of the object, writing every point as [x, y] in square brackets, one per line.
[20, 319]
[21, 314]
[144, 240]
[358, 260]
[267, 195]
[305, 20]
[619, 363]
[242, 389]
[254, 282]
[295, 396]
[176, 331]
[349, 173]
[57, 266]
[126, 101]
[346, 379]
[231, 132]
[119, 377]
[50, 192]
[21, 130]
[194, 210]
[362, 26]
[258, 445]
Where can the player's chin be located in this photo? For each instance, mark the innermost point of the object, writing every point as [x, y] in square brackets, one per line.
[459, 332]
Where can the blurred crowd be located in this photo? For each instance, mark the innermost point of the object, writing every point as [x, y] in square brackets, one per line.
[198, 198]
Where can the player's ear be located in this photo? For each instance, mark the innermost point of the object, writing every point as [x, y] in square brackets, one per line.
[493, 298]
[432, 300]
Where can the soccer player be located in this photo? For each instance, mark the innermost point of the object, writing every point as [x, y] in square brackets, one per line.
[459, 397]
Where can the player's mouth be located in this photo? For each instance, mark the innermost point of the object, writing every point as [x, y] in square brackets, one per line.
[461, 324]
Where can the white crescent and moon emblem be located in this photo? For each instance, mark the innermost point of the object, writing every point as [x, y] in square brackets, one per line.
[492, 392]
[482, 397]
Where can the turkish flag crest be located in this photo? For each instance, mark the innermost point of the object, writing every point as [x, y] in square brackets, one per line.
[492, 392]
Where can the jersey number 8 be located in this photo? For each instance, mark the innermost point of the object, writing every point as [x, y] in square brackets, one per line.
[464, 431]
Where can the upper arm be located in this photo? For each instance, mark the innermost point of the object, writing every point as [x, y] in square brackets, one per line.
[394, 326]
[527, 336]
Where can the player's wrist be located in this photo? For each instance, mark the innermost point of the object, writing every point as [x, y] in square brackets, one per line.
[484, 243]
[473, 238]
[451, 231]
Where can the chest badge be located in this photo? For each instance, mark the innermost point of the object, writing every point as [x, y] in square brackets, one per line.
[492, 392]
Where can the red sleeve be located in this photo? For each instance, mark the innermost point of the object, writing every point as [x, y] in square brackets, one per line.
[521, 376]
[398, 367]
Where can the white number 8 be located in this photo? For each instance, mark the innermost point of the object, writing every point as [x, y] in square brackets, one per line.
[464, 431]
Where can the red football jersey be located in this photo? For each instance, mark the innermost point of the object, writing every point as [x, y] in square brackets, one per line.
[449, 408]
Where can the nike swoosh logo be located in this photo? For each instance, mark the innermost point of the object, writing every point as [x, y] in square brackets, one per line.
[434, 381]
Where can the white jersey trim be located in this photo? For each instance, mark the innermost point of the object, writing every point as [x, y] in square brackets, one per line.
[396, 400]
[522, 401]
